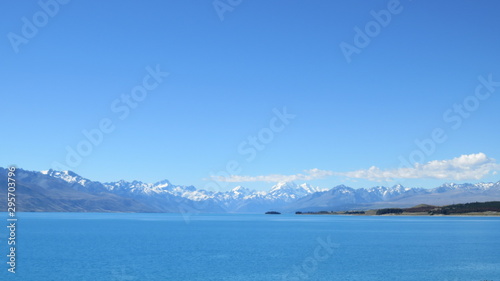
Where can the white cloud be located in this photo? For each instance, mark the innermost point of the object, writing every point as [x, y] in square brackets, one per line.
[465, 167]
[311, 174]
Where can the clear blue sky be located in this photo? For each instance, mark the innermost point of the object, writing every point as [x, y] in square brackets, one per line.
[226, 77]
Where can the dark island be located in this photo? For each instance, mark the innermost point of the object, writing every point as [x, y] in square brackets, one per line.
[273, 213]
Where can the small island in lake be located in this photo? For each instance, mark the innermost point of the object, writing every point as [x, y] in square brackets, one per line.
[273, 213]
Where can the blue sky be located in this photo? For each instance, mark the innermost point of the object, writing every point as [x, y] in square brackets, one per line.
[232, 73]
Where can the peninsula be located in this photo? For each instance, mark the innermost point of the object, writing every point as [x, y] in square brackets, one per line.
[468, 209]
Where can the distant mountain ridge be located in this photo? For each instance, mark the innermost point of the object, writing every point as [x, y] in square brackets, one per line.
[58, 191]
[345, 198]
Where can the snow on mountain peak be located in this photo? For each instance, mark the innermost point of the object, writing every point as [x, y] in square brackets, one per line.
[163, 183]
[240, 190]
[312, 189]
[283, 186]
[290, 190]
[67, 176]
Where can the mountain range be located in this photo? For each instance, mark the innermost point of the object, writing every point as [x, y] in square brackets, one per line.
[66, 191]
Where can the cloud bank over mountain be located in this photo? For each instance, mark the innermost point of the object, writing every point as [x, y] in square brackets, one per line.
[465, 167]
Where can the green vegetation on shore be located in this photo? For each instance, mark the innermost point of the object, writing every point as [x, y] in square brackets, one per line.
[477, 208]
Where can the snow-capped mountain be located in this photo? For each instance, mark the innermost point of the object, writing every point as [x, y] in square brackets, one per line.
[346, 198]
[234, 200]
[290, 191]
[67, 191]
[67, 176]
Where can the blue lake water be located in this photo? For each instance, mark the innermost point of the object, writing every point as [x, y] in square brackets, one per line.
[81, 246]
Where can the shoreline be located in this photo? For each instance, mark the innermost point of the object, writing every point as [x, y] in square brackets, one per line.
[495, 214]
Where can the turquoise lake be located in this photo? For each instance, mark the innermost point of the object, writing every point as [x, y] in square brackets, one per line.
[90, 246]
